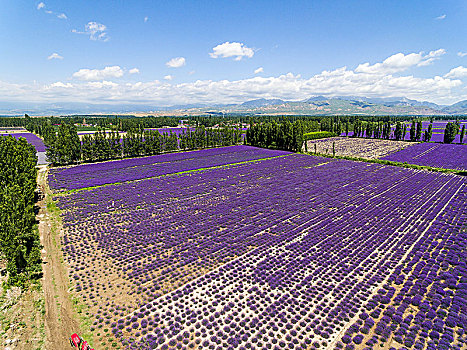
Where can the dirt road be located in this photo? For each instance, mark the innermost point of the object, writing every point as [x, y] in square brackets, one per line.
[60, 318]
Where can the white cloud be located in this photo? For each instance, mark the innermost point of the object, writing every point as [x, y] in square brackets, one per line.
[55, 56]
[441, 17]
[133, 71]
[176, 62]
[96, 31]
[98, 74]
[458, 72]
[146, 19]
[191, 72]
[168, 77]
[102, 84]
[259, 70]
[400, 62]
[461, 54]
[338, 82]
[41, 5]
[59, 84]
[234, 49]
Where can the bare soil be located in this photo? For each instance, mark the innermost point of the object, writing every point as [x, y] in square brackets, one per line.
[357, 147]
[22, 319]
[60, 318]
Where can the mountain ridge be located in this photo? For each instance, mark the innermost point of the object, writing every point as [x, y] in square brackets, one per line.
[313, 105]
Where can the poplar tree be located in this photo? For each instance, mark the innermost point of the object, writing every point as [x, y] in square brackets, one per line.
[19, 239]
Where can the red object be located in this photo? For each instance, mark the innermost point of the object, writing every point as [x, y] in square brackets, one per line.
[85, 346]
[75, 340]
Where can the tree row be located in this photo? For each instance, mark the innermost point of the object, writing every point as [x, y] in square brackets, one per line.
[19, 239]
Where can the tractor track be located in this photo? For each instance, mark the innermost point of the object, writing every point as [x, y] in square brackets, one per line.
[60, 319]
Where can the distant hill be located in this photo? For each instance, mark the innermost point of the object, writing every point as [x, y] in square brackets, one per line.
[457, 108]
[262, 102]
[314, 105]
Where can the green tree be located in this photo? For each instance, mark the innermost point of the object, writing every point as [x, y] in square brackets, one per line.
[428, 133]
[462, 134]
[404, 131]
[450, 132]
[418, 135]
[413, 131]
[19, 239]
[398, 131]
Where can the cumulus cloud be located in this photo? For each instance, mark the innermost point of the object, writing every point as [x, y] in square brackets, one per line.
[133, 71]
[458, 72]
[62, 16]
[98, 74]
[146, 19]
[441, 17]
[95, 30]
[461, 54]
[41, 5]
[55, 56]
[176, 62]
[96, 87]
[400, 62]
[259, 70]
[234, 49]
[168, 77]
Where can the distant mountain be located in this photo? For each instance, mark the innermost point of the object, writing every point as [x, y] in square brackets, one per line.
[314, 105]
[457, 108]
[316, 99]
[261, 102]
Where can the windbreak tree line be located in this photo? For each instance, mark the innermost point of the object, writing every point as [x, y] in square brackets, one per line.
[65, 147]
[19, 238]
[131, 122]
[286, 136]
[205, 138]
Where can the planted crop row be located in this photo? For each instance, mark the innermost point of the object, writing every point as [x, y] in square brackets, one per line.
[91, 175]
[436, 155]
[280, 253]
[31, 138]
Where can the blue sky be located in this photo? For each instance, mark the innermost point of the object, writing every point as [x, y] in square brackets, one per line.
[175, 52]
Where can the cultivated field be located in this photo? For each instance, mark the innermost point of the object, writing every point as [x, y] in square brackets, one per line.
[439, 155]
[30, 137]
[356, 147]
[284, 251]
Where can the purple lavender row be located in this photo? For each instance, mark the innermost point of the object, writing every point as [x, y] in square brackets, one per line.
[89, 175]
[439, 155]
[298, 293]
[294, 250]
[437, 136]
[31, 138]
[423, 303]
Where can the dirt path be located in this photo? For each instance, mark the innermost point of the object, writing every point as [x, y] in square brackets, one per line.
[60, 318]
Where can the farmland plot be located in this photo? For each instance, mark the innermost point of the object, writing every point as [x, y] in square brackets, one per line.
[356, 147]
[439, 155]
[71, 178]
[289, 252]
[30, 137]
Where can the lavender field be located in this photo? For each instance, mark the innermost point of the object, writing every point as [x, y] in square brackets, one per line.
[290, 252]
[89, 175]
[439, 155]
[31, 138]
